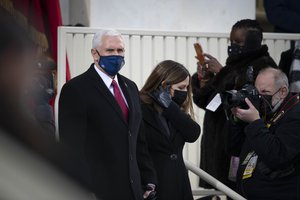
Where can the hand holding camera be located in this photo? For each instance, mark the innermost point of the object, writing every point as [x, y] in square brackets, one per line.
[249, 115]
[234, 98]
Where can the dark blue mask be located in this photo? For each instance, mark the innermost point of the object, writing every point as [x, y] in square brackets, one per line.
[111, 64]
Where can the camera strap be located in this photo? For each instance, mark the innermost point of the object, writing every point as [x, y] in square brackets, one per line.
[291, 102]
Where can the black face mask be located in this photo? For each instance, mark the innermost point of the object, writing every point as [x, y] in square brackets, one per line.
[266, 107]
[234, 49]
[179, 97]
[252, 42]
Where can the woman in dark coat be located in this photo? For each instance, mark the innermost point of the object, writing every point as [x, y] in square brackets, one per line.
[245, 50]
[168, 119]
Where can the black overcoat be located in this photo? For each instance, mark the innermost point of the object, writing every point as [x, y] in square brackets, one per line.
[113, 151]
[166, 150]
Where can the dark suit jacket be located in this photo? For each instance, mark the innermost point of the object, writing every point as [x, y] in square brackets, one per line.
[166, 151]
[113, 151]
[286, 60]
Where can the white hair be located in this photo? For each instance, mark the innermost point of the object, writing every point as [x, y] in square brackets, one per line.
[97, 40]
[280, 78]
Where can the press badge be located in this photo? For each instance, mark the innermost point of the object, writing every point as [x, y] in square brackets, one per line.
[248, 158]
[214, 103]
[252, 160]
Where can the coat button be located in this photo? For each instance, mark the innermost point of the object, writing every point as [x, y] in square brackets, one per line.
[131, 181]
[130, 157]
[129, 133]
[173, 157]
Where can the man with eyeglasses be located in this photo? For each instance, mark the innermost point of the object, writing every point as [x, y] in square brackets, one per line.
[267, 140]
[100, 119]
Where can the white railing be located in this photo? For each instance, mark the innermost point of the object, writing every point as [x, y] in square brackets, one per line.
[144, 49]
[212, 181]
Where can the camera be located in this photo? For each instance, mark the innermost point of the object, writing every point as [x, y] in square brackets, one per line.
[234, 98]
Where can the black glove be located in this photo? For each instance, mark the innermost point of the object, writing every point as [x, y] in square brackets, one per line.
[162, 96]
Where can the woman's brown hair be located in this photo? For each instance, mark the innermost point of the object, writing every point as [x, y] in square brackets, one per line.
[167, 72]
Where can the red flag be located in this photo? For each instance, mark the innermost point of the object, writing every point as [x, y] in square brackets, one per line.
[53, 16]
[54, 20]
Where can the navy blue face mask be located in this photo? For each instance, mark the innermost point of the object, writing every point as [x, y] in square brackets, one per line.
[111, 64]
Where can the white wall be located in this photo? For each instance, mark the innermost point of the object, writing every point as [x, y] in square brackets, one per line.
[75, 12]
[186, 15]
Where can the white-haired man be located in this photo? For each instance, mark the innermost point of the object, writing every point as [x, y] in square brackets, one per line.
[268, 143]
[100, 118]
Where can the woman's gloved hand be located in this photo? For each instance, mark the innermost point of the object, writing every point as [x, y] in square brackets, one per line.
[162, 96]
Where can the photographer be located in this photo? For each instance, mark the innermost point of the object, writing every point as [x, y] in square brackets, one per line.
[245, 49]
[266, 138]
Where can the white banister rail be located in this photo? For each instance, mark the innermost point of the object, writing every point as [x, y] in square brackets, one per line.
[212, 181]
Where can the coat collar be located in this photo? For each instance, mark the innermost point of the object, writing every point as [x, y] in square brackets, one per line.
[150, 116]
[102, 88]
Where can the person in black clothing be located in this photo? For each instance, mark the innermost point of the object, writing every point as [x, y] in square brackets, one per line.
[267, 140]
[245, 50]
[284, 15]
[169, 123]
[101, 121]
[290, 64]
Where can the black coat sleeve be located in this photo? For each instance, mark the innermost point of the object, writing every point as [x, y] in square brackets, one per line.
[201, 96]
[72, 124]
[148, 173]
[285, 62]
[182, 122]
[145, 163]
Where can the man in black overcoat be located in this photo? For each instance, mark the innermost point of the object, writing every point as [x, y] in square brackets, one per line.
[107, 135]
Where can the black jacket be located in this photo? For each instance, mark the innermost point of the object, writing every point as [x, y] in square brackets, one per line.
[286, 59]
[214, 158]
[114, 152]
[166, 150]
[276, 175]
[284, 15]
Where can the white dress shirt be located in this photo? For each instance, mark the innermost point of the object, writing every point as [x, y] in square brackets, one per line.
[108, 80]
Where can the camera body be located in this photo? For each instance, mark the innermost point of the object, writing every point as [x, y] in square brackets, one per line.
[234, 98]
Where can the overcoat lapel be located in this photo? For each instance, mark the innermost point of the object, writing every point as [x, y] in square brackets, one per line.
[153, 119]
[101, 87]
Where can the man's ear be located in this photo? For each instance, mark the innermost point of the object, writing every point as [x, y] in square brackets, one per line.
[95, 55]
[284, 92]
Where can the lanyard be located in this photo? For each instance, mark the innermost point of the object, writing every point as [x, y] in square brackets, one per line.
[291, 102]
